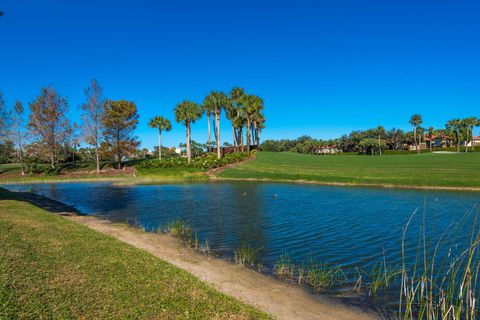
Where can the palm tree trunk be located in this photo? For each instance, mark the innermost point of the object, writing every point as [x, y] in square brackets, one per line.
[415, 138]
[189, 153]
[466, 142]
[209, 130]
[234, 138]
[458, 142]
[217, 124]
[159, 145]
[248, 134]
[241, 138]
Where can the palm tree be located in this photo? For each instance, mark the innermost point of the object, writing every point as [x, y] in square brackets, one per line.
[430, 136]
[258, 124]
[416, 121]
[234, 112]
[187, 112]
[454, 126]
[469, 124]
[208, 109]
[252, 104]
[162, 124]
[216, 101]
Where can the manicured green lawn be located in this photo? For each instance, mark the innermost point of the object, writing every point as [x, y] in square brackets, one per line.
[54, 268]
[444, 170]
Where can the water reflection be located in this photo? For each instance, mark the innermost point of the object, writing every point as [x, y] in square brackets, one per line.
[351, 227]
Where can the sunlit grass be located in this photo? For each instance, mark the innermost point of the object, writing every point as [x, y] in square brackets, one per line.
[441, 170]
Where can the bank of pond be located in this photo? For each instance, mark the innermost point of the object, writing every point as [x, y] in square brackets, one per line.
[406, 253]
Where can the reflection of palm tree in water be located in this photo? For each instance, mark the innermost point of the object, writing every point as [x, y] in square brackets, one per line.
[250, 218]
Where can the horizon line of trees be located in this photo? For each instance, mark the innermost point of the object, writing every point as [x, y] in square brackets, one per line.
[107, 127]
[457, 132]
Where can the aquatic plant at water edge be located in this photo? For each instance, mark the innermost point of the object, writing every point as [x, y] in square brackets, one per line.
[445, 289]
[246, 255]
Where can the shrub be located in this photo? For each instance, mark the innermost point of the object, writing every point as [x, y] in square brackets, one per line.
[205, 162]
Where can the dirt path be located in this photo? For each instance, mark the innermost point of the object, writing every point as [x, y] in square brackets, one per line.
[282, 300]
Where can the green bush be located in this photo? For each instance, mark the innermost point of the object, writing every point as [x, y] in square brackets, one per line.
[205, 162]
[34, 168]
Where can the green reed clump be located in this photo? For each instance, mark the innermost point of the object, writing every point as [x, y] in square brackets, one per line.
[181, 230]
[246, 256]
[446, 289]
[284, 268]
[314, 273]
[322, 275]
[381, 276]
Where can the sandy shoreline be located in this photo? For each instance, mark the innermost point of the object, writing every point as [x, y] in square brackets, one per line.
[282, 300]
[214, 178]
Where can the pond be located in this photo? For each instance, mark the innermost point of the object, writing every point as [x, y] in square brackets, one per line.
[354, 228]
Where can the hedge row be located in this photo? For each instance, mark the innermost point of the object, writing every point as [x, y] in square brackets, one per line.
[205, 162]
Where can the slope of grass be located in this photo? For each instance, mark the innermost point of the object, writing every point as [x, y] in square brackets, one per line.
[441, 170]
[56, 269]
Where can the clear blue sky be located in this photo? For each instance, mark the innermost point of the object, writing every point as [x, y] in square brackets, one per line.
[322, 67]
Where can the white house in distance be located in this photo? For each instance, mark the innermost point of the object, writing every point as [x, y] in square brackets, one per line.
[475, 142]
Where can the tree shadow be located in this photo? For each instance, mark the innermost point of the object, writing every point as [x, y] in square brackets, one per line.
[42, 202]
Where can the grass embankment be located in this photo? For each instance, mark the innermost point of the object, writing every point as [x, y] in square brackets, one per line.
[54, 268]
[424, 170]
[127, 176]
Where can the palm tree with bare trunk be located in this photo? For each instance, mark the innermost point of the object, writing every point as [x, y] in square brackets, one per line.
[252, 104]
[216, 101]
[162, 124]
[469, 124]
[416, 121]
[187, 112]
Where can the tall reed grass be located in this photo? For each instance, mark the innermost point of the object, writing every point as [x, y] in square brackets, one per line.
[437, 287]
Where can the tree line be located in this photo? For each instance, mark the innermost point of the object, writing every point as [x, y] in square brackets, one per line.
[106, 129]
[457, 132]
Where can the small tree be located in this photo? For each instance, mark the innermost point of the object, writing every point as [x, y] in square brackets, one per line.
[49, 126]
[187, 112]
[18, 109]
[162, 124]
[120, 121]
[416, 121]
[93, 113]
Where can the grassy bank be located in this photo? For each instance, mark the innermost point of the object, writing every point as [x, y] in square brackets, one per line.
[434, 170]
[54, 268]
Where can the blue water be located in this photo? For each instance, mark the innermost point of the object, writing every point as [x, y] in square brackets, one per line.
[346, 226]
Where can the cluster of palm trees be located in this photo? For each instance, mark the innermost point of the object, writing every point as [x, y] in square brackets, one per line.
[242, 109]
[456, 130]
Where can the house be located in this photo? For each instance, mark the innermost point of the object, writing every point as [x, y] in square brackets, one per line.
[327, 150]
[438, 141]
[176, 150]
[475, 142]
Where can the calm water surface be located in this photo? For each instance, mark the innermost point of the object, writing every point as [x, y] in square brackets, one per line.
[346, 226]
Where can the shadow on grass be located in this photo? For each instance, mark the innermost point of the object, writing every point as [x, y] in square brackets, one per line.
[39, 201]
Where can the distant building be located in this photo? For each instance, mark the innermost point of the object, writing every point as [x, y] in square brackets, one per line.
[327, 150]
[176, 150]
[439, 141]
[475, 142]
